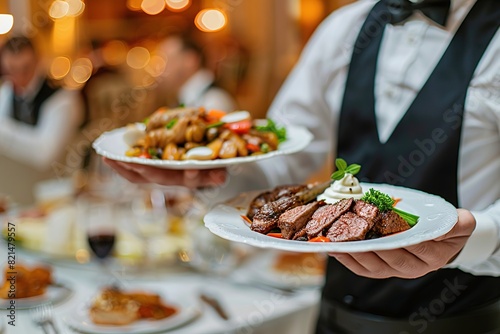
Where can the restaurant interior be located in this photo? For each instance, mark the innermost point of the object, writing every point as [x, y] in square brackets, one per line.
[108, 54]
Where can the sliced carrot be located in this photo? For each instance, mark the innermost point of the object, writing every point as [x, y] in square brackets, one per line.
[275, 235]
[215, 115]
[396, 201]
[320, 239]
[253, 147]
[246, 219]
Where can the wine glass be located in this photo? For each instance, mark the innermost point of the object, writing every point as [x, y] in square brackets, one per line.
[98, 218]
[149, 213]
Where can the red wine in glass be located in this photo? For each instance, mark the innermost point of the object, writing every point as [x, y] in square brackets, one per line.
[101, 244]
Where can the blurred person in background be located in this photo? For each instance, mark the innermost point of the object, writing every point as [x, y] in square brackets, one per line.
[187, 77]
[37, 120]
[409, 90]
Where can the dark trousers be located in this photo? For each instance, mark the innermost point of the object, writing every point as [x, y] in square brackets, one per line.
[336, 319]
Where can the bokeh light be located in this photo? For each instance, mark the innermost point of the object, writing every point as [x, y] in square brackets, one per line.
[58, 9]
[81, 70]
[156, 66]
[210, 20]
[178, 5]
[76, 7]
[6, 23]
[134, 5]
[138, 57]
[114, 52]
[60, 67]
[153, 7]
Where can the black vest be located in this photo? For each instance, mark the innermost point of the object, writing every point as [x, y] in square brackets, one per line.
[30, 112]
[414, 156]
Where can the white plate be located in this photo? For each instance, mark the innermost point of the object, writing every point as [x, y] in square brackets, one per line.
[188, 309]
[55, 294]
[112, 146]
[437, 217]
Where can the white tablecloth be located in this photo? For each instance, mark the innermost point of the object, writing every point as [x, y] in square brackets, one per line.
[252, 310]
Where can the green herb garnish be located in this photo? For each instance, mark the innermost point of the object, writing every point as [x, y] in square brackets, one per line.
[153, 153]
[181, 105]
[264, 147]
[171, 123]
[146, 120]
[215, 125]
[272, 127]
[385, 203]
[342, 169]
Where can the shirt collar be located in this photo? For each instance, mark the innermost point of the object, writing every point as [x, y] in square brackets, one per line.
[195, 87]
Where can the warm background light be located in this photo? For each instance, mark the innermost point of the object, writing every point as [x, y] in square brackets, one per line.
[210, 20]
[60, 67]
[134, 5]
[153, 7]
[156, 66]
[6, 23]
[178, 5]
[138, 57]
[58, 9]
[81, 70]
[114, 52]
[76, 7]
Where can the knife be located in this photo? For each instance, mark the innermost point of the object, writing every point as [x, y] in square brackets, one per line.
[215, 305]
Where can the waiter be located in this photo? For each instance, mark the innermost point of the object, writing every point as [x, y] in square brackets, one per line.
[411, 91]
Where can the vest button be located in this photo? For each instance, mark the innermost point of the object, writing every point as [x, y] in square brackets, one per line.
[348, 299]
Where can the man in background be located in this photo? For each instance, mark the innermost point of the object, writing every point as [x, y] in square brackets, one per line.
[37, 120]
[187, 77]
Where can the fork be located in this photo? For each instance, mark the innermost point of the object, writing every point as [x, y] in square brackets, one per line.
[42, 316]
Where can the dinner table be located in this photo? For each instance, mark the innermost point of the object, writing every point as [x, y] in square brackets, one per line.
[251, 308]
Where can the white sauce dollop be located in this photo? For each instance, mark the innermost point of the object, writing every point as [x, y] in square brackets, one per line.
[346, 187]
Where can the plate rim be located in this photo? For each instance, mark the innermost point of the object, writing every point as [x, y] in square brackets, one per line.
[306, 139]
[71, 319]
[35, 301]
[334, 247]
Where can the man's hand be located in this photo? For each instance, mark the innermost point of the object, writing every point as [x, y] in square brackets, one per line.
[413, 261]
[168, 177]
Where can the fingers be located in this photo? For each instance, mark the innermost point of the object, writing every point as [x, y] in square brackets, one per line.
[125, 171]
[168, 177]
[463, 228]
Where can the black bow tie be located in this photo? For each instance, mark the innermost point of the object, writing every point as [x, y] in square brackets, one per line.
[436, 10]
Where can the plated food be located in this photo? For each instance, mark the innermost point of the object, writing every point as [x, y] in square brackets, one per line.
[339, 212]
[119, 308]
[197, 134]
[435, 218]
[28, 281]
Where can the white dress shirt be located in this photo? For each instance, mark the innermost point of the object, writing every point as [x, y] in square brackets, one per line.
[312, 97]
[39, 146]
[199, 92]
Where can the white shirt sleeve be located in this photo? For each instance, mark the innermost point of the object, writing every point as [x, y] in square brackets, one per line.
[44, 143]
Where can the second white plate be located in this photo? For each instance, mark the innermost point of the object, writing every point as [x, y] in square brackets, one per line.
[112, 146]
[437, 217]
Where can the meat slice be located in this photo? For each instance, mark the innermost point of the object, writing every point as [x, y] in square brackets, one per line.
[272, 195]
[368, 211]
[390, 222]
[301, 234]
[267, 217]
[324, 217]
[258, 202]
[349, 227]
[295, 219]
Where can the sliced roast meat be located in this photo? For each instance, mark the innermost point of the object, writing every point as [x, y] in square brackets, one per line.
[271, 196]
[301, 234]
[324, 217]
[349, 227]
[287, 191]
[258, 202]
[267, 217]
[295, 219]
[368, 211]
[390, 222]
